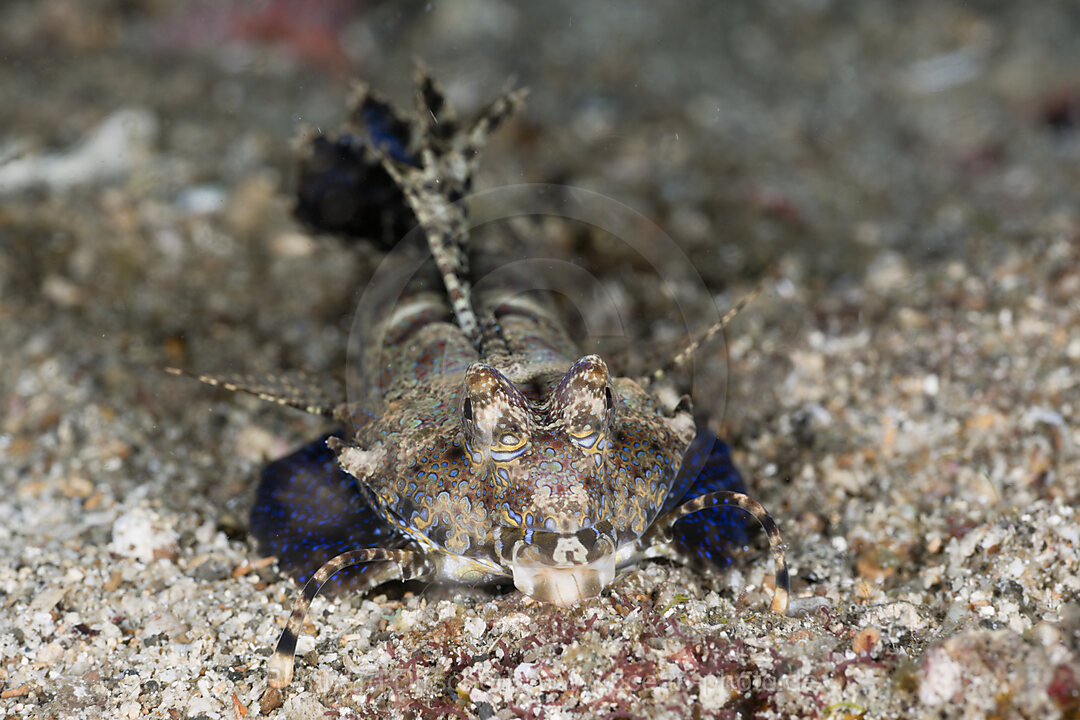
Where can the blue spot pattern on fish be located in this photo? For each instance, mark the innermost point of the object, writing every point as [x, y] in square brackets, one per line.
[707, 538]
[308, 510]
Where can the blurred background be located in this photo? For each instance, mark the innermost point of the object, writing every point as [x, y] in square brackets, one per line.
[744, 129]
[832, 141]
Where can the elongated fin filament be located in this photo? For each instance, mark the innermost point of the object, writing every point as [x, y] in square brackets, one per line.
[397, 565]
[662, 532]
[692, 347]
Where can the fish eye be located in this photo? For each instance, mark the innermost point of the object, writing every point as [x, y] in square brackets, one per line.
[588, 441]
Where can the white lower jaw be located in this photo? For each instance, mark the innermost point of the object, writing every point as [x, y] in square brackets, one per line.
[564, 585]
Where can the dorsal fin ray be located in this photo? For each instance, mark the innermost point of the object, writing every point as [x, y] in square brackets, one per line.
[436, 187]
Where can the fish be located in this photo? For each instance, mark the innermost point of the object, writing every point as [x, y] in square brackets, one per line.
[482, 447]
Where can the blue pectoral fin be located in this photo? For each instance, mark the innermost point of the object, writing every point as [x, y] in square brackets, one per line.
[308, 510]
[706, 539]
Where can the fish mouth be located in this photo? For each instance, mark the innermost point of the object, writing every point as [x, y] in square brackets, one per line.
[560, 568]
[564, 586]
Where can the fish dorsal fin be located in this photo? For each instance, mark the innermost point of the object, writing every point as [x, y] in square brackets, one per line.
[436, 186]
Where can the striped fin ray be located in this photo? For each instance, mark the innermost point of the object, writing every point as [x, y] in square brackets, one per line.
[401, 565]
[656, 542]
[692, 347]
[436, 188]
[300, 389]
